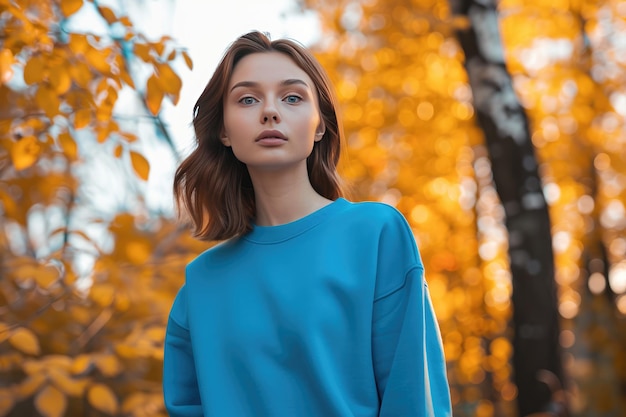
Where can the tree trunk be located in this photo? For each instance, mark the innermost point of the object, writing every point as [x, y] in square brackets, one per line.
[536, 351]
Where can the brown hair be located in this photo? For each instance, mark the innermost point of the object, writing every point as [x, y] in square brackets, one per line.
[211, 186]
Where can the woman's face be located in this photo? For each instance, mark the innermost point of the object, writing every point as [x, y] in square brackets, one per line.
[271, 112]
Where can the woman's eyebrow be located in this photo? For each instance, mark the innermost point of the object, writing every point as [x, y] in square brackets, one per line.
[290, 81]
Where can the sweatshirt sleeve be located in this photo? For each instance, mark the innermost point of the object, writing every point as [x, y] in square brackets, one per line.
[180, 386]
[407, 350]
[408, 355]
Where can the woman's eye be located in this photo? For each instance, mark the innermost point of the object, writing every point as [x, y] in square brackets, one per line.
[293, 99]
[247, 100]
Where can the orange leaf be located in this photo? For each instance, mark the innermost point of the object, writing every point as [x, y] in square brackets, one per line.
[46, 276]
[68, 385]
[82, 364]
[102, 133]
[25, 152]
[50, 402]
[172, 55]
[102, 398]
[6, 62]
[98, 60]
[128, 80]
[168, 80]
[103, 294]
[30, 385]
[140, 165]
[108, 14]
[138, 251]
[7, 401]
[154, 94]
[69, 7]
[68, 145]
[82, 118]
[159, 47]
[25, 340]
[60, 79]
[81, 73]
[188, 60]
[118, 151]
[48, 100]
[78, 43]
[130, 137]
[34, 70]
[109, 365]
[142, 50]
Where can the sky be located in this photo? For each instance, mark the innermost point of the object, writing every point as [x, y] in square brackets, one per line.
[206, 28]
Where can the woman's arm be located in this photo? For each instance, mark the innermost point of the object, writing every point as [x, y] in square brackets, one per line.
[408, 355]
[180, 386]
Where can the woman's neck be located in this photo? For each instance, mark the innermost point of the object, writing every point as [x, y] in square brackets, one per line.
[283, 198]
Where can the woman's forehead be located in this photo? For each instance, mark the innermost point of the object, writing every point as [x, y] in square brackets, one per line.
[268, 67]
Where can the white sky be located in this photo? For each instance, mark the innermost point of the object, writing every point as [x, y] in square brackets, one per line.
[207, 27]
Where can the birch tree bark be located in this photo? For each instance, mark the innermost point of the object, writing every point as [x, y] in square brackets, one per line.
[516, 178]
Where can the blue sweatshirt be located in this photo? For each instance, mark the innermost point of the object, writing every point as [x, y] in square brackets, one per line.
[327, 316]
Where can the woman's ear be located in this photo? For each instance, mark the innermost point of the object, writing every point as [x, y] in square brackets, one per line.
[224, 139]
[319, 132]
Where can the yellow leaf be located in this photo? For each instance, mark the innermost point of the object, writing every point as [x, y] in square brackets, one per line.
[108, 14]
[140, 165]
[130, 137]
[102, 398]
[48, 100]
[103, 294]
[154, 94]
[142, 50]
[109, 365]
[82, 365]
[69, 7]
[60, 79]
[6, 63]
[102, 133]
[125, 20]
[34, 70]
[138, 251]
[68, 144]
[50, 402]
[168, 80]
[159, 47]
[69, 386]
[98, 60]
[7, 401]
[25, 340]
[81, 73]
[188, 60]
[82, 118]
[30, 385]
[78, 43]
[25, 152]
[46, 276]
[118, 151]
[133, 402]
[127, 78]
[155, 334]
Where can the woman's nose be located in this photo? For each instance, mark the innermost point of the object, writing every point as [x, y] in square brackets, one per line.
[270, 113]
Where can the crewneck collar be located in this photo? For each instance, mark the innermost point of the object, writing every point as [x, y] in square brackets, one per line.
[283, 232]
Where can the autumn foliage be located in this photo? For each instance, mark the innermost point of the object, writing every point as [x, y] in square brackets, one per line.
[75, 339]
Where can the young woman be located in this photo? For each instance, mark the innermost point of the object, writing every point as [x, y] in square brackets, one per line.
[312, 305]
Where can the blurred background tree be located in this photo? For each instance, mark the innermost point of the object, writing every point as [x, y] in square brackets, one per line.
[91, 258]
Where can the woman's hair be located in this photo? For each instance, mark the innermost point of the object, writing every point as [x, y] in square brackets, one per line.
[211, 186]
